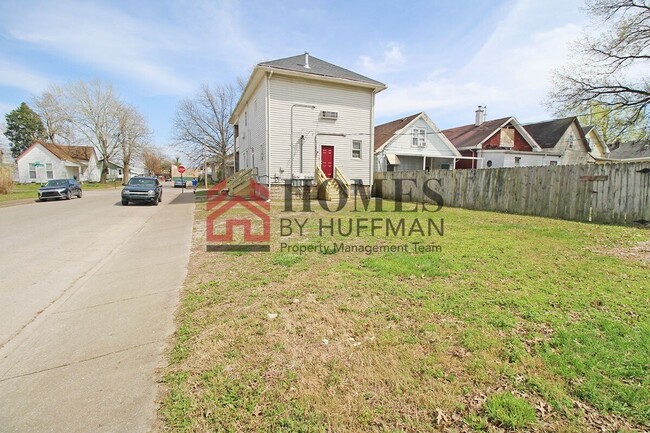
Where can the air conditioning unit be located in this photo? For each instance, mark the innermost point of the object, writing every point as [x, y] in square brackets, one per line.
[330, 115]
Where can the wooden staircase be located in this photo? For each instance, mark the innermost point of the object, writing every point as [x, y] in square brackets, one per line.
[238, 185]
[334, 188]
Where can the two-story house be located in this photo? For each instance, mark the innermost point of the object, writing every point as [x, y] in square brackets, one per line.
[301, 120]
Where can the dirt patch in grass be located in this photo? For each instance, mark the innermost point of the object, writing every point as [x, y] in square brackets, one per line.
[638, 253]
[511, 306]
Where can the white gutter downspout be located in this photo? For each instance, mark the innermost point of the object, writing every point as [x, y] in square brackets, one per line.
[291, 137]
[372, 142]
[268, 134]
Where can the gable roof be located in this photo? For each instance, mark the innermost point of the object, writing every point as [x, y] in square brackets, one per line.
[65, 153]
[295, 66]
[385, 131]
[548, 133]
[318, 67]
[470, 136]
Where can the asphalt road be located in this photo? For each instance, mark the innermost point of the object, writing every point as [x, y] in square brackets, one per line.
[88, 289]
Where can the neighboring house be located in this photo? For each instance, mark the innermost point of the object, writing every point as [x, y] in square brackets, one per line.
[116, 170]
[413, 143]
[497, 143]
[631, 151]
[301, 120]
[43, 161]
[597, 146]
[562, 136]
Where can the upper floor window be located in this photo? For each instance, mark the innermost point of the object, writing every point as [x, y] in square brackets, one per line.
[48, 170]
[356, 149]
[571, 141]
[32, 171]
[418, 137]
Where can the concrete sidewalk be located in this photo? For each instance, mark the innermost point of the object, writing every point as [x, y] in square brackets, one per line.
[88, 362]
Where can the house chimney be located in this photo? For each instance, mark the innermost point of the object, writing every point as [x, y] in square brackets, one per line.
[307, 60]
[480, 115]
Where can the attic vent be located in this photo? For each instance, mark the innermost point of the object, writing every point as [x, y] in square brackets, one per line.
[331, 115]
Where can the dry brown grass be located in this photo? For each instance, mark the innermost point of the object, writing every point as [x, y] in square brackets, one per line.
[6, 179]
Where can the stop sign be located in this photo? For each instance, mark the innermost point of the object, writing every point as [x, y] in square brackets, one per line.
[181, 169]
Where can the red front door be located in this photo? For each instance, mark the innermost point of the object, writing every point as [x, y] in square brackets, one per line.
[327, 161]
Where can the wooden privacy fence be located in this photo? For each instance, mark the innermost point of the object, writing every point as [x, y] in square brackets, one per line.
[608, 193]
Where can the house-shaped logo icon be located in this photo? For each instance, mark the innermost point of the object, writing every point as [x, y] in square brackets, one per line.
[238, 211]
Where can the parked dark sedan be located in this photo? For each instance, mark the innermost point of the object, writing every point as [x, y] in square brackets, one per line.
[59, 188]
[142, 189]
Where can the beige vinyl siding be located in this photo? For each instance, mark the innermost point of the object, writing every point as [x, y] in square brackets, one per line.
[353, 105]
[252, 133]
[578, 154]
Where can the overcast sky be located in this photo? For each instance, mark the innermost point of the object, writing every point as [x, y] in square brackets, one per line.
[444, 57]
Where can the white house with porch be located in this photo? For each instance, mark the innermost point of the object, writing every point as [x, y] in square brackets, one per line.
[44, 161]
[301, 121]
[413, 143]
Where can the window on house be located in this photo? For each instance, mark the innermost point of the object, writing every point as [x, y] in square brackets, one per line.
[418, 137]
[571, 141]
[445, 166]
[517, 161]
[32, 171]
[356, 149]
[48, 171]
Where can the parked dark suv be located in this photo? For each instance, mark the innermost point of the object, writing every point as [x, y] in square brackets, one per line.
[59, 188]
[142, 189]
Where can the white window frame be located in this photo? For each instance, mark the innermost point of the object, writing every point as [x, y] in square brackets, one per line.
[360, 150]
[32, 169]
[418, 138]
[49, 173]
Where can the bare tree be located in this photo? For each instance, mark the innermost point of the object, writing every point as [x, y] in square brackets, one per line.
[133, 136]
[201, 128]
[610, 69]
[50, 107]
[94, 112]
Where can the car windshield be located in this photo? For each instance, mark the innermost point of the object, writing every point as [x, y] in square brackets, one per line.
[136, 181]
[57, 182]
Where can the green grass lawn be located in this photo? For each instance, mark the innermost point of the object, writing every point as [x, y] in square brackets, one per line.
[29, 190]
[518, 323]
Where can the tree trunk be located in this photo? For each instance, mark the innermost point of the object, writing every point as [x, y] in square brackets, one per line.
[126, 172]
[104, 174]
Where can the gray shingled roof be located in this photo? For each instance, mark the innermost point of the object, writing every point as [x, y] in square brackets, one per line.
[630, 150]
[318, 67]
[548, 133]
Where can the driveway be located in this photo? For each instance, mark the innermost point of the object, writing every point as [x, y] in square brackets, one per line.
[88, 289]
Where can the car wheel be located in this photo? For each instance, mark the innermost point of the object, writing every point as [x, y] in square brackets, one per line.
[159, 198]
[41, 199]
[155, 202]
[68, 195]
[124, 202]
[80, 194]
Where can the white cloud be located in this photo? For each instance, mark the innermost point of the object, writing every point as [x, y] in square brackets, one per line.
[510, 72]
[392, 60]
[103, 38]
[18, 76]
